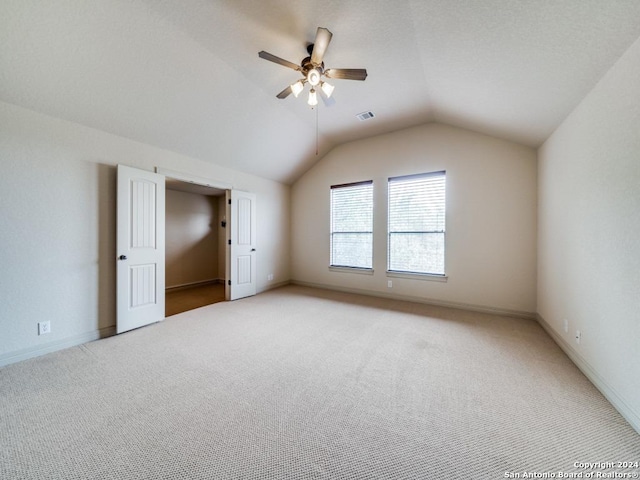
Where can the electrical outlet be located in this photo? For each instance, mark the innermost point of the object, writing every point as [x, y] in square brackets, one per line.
[270, 277]
[578, 336]
[44, 327]
[390, 283]
[566, 325]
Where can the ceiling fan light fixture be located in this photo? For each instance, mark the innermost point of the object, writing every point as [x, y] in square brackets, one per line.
[313, 98]
[296, 88]
[313, 77]
[327, 88]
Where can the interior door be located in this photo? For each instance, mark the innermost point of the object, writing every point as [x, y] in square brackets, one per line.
[140, 248]
[242, 244]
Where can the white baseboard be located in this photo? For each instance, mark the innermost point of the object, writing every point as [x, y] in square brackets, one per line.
[31, 352]
[427, 301]
[607, 390]
[271, 286]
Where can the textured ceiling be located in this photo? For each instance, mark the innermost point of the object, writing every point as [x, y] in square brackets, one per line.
[185, 75]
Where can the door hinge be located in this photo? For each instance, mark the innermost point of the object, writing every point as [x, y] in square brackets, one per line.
[229, 201]
[229, 241]
[229, 282]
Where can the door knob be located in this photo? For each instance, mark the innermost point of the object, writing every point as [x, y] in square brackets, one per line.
[122, 257]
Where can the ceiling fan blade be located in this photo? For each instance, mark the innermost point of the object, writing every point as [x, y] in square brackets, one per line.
[278, 60]
[347, 73]
[323, 37]
[284, 93]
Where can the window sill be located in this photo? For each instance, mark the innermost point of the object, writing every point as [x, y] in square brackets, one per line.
[418, 276]
[358, 270]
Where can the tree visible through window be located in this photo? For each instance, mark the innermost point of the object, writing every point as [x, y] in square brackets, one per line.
[352, 225]
[417, 223]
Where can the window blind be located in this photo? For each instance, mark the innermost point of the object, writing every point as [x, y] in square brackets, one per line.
[417, 223]
[352, 225]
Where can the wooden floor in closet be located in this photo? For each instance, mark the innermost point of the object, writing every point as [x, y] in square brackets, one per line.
[178, 300]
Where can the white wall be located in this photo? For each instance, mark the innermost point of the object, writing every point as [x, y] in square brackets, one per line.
[191, 251]
[589, 234]
[57, 227]
[491, 216]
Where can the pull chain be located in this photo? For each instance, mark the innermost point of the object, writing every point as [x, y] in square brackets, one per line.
[317, 141]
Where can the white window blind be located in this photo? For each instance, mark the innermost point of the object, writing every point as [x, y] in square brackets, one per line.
[352, 225]
[417, 223]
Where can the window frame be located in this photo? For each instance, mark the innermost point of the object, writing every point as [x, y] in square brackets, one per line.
[350, 268]
[435, 276]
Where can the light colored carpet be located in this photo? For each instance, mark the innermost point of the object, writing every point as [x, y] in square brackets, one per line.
[298, 383]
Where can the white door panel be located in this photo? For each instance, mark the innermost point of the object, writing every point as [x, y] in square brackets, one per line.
[243, 244]
[140, 248]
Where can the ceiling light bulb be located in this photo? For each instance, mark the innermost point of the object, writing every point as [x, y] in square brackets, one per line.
[313, 77]
[313, 98]
[296, 88]
[327, 88]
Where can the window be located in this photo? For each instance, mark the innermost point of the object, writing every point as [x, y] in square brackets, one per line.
[416, 223]
[352, 225]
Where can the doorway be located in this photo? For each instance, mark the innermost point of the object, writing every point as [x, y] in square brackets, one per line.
[195, 267]
[140, 242]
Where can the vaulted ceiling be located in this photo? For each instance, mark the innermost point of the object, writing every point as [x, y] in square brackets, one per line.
[184, 75]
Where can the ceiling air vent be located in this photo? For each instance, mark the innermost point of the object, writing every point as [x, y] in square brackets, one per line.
[365, 116]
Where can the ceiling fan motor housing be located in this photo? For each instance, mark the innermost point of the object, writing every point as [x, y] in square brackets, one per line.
[307, 65]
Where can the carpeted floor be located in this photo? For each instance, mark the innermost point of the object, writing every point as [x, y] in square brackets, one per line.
[299, 383]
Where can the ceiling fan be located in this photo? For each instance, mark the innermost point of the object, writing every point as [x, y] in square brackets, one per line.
[312, 69]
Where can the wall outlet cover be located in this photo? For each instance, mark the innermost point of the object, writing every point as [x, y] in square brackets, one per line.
[44, 327]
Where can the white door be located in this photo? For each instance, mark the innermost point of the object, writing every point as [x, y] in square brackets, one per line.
[140, 248]
[242, 245]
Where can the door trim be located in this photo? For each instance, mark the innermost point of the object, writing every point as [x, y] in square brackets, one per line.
[185, 177]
